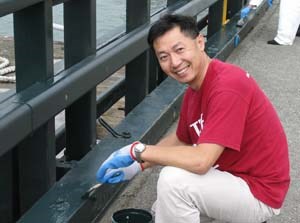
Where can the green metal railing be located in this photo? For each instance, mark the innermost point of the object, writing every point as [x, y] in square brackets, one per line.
[29, 143]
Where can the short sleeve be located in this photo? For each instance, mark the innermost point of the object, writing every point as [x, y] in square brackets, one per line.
[225, 120]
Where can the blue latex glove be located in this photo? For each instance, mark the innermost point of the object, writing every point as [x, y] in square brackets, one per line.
[118, 159]
[113, 176]
[245, 12]
[270, 2]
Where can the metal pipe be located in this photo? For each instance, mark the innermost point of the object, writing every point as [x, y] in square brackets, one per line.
[58, 27]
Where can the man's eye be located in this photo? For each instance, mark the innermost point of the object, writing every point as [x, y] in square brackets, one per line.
[163, 58]
[179, 50]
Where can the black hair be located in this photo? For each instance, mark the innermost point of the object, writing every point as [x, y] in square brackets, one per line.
[187, 25]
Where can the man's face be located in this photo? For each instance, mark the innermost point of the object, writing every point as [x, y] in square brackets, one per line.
[180, 56]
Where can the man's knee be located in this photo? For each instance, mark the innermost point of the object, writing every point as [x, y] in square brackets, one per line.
[171, 179]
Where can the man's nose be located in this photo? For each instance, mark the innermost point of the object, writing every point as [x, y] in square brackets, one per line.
[175, 60]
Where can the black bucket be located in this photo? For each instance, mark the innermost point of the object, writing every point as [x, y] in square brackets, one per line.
[132, 215]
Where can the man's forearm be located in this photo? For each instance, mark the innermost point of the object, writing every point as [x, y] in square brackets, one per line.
[196, 159]
[169, 140]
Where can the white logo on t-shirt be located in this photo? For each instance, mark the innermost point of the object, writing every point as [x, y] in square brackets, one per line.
[198, 125]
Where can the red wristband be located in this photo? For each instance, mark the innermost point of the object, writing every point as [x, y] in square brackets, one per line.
[131, 150]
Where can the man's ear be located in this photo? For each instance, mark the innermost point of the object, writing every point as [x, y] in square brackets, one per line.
[201, 41]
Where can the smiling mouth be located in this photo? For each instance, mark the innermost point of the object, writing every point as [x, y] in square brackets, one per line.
[182, 71]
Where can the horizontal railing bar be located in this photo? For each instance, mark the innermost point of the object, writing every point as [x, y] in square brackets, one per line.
[192, 11]
[57, 2]
[9, 6]
[48, 99]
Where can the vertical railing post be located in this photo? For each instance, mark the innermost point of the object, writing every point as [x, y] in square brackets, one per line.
[137, 71]
[8, 189]
[34, 63]
[80, 42]
[215, 18]
[156, 75]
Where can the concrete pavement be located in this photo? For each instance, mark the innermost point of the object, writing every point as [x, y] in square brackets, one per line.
[277, 70]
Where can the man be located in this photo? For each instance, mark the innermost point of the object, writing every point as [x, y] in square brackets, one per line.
[228, 159]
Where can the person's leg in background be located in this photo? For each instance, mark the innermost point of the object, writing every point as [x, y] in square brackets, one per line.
[289, 20]
[186, 197]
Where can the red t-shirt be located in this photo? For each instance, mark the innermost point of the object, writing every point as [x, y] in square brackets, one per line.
[231, 110]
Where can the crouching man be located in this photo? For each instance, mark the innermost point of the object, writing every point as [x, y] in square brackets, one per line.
[228, 158]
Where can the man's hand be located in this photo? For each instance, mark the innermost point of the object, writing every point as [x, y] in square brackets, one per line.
[119, 159]
[121, 174]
